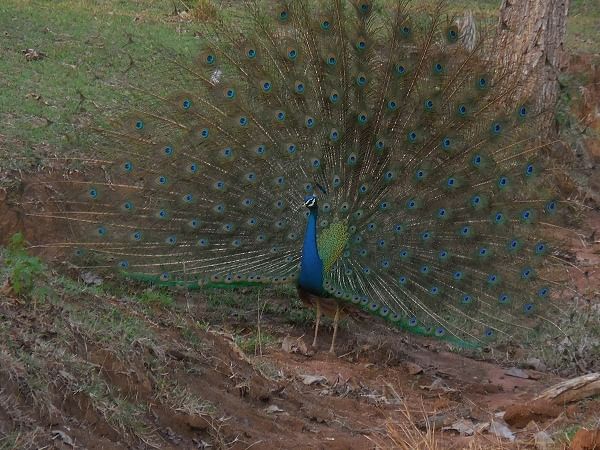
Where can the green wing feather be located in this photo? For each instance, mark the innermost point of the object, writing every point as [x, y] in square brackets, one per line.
[331, 243]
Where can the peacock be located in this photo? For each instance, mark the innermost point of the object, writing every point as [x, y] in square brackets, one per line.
[360, 151]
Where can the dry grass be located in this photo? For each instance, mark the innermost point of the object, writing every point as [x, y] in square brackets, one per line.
[410, 432]
[203, 11]
[418, 430]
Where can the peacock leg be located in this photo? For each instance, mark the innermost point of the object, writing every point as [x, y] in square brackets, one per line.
[314, 344]
[336, 319]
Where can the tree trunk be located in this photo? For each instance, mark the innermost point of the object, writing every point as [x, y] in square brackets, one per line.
[531, 35]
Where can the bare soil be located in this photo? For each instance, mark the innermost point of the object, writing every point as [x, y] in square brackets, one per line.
[279, 400]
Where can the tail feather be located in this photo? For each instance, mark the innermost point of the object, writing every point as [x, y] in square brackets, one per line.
[423, 153]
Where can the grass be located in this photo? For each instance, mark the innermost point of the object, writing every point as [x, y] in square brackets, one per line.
[180, 399]
[254, 343]
[21, 269]
[583, 26]
[190, 336]
[44, 358]
[567, 435]
[87, 47]
[243, 303]
[19, 440]
[160, 299]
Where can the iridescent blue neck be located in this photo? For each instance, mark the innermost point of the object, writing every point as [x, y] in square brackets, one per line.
[311, 270]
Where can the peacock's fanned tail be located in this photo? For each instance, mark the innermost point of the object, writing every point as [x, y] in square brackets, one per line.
[434, 210]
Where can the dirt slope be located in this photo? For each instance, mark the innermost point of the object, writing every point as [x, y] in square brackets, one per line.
[83, 369]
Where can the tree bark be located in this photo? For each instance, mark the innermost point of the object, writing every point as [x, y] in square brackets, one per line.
[531, 35]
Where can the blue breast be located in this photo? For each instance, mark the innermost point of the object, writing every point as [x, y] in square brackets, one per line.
[311, 270]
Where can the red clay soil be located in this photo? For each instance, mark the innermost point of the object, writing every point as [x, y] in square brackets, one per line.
[586, 440]
[356, 400]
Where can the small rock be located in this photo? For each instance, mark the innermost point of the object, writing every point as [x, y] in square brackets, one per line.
[197, 423]
[316, 414]
[413, 369]
[517, 373]
[535, 364]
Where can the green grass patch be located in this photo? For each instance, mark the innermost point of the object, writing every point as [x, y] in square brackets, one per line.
[583, 26]
[90, 49]
[160, 299]
[87, 49]
[191, 337]
[252, 343]
[23, 270]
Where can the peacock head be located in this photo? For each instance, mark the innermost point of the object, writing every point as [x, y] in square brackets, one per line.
[310, 201]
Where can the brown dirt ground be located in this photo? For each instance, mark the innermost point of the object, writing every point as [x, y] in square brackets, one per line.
[262, 401]
[362, 401]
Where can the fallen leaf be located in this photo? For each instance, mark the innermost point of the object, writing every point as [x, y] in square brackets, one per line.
[313, 379]
[200, 444]
[296, 345]
[535, 364]
[274, 409]
[215, 78]
[464, 427]
[63, 437]
[32, 54]
[500, 429]
[36, 97]
[542, 440]
[91, 278]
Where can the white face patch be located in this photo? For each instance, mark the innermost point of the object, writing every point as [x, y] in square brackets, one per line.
[310, 202]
